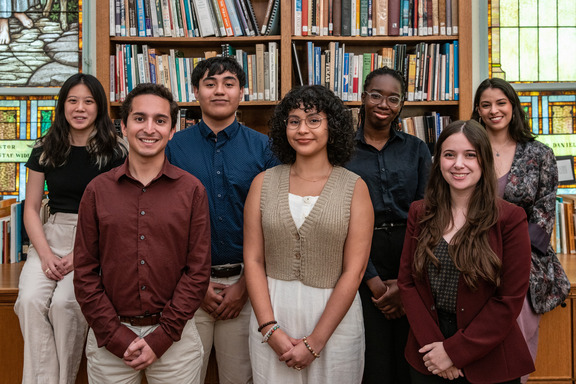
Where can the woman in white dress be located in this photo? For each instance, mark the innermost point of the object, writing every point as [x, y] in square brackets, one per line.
[307, 234]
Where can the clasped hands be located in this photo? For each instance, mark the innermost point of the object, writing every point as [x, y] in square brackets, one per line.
[139, 355]
[55, 268]
[438, 362]
[291, 351]
[386, 297]
[223, 301]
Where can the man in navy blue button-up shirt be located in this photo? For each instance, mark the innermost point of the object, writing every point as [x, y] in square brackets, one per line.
[225, 156]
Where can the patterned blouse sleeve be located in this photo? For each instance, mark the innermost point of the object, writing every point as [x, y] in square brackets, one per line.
[541, 218]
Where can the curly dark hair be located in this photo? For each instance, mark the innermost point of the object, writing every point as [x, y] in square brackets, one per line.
[518, 129]
[340, 130]
[398, 76]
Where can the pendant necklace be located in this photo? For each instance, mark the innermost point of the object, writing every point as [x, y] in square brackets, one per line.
[502, 147]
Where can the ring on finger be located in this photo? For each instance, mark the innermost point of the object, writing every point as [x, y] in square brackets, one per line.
[47, 270]
[298, 368]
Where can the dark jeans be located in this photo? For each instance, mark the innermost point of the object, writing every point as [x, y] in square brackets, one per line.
[385, 339]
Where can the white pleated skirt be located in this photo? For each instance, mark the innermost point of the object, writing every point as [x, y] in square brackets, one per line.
[297, 308]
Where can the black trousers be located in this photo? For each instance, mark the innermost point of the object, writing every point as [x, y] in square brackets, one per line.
[385, 339]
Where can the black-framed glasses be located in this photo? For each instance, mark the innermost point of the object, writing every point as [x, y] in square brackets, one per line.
[312, 122]
[376, 98]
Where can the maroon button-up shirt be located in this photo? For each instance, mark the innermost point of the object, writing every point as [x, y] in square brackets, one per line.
[142, 250]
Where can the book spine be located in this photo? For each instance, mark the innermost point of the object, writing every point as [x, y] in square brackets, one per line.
[132, 19]
[363, 17]
[225, 18]
[186, 18]
[177, 18]
[394, 17]
[252, 16]
[148, 17]
[244, 18]
[346, 18]
[236, 27]
[260, 71]
[152, 64]
[317, 67]
[273, 50]
[297, 18]
[166, 19]
[345, 76]
[267, 16]
[310, 57]
[203, 12]
[456, 71]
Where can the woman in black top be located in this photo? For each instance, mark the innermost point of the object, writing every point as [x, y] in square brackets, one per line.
[80, 144]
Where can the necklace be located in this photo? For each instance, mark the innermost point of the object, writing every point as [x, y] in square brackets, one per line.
[501, 148]
[311, 181]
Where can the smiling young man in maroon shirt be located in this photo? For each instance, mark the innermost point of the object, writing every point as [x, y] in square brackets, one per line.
[142, 255]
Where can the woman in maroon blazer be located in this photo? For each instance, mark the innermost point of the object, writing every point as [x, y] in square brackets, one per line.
[464, 269]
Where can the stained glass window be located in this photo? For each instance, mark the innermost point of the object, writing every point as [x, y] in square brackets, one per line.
[40, 42]
[40, 47]
[532, 40]
[22, 120]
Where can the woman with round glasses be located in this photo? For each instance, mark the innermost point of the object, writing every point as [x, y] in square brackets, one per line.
[307, 233]
[395, 167]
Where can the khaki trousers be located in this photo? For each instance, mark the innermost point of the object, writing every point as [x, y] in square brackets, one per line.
[180, 364]
[51, 322]
[230, 340]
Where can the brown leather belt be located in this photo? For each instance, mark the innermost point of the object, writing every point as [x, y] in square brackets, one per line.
[142, 321]
[220, 271]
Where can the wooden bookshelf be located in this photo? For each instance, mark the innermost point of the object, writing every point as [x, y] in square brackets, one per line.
[256, 113]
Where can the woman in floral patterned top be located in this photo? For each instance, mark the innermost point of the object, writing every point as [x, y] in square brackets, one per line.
[527, 176]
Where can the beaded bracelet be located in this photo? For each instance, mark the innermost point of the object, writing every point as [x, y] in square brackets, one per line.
[316, 355]
[260, 328]
[269, 333]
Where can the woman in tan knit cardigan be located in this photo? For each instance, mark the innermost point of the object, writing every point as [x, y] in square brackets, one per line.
[307, 234]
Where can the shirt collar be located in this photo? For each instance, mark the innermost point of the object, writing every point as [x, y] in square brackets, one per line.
[167, 170]
[229, 131]
[393, 135]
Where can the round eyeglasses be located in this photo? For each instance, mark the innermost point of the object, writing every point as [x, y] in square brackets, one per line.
[376, 98]
[312, 122]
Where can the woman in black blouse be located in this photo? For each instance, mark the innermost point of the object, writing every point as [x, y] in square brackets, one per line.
[80, 144]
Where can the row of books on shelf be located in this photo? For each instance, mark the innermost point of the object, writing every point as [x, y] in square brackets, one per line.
[427, 128]
[134, 64]
[375, 17]
[430, 69]
[11, 229]
[191, 18]
[563, 237]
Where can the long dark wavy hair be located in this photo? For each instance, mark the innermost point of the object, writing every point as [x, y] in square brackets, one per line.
[340, 130]
[469, 248]
[383, 72]
[518, 129]
[104, 145]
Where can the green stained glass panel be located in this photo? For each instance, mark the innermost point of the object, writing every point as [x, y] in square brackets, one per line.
[567, 57]
[508, 12]
[547, 10]
[509, 52]
[528, 13]
[528, 54]
[566, 13]
[548, 58]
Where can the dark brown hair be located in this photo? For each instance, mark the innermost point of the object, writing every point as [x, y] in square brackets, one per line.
[469, 248]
